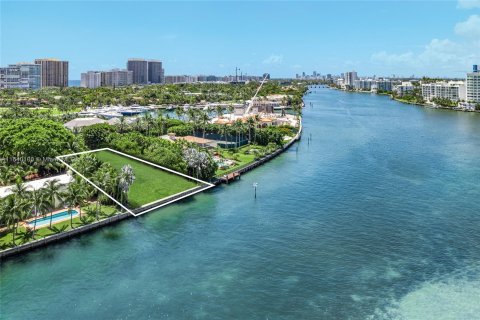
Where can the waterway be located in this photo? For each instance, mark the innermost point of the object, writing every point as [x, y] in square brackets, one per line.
[375, 214]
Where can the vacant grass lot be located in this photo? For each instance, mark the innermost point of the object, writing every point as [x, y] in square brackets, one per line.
[151, 183]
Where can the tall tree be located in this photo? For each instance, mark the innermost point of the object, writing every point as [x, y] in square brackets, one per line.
[53, 194]
[39, 204]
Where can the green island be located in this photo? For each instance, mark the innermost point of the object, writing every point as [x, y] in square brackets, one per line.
[205, 131]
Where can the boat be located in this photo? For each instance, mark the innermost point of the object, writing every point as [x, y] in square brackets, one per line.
[111, 114]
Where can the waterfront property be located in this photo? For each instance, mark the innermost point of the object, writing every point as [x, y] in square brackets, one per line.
[473, 85]
[375, 217]
[163, 171]
[151, 182]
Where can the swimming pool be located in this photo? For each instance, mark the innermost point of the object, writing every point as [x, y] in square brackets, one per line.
[41, 222]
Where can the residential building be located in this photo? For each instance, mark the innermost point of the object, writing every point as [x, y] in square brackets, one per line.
[155, 71]
[180, 79]
[91, 79]
[139, 67]
[473, 85]
[116, 78]
[363, 84]
[382, 85]
[54, 72]
[262, 106]
[452, 90]
[403, 88]
[22, 75]
[350, 78]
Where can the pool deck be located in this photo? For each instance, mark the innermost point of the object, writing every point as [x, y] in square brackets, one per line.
[25, 223]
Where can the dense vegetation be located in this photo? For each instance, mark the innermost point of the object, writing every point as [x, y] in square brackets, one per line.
[75, 98]
[28, 147]
[32, 135]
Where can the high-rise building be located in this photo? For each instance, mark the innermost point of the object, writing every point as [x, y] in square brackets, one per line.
[350, 78]
[91, 79]
[54, 72]
[116, 78]
[22, 75]
[155, 71]
[139, 67]
[473, 85]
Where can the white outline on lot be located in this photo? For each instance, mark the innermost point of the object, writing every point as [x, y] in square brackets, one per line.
[208, 185]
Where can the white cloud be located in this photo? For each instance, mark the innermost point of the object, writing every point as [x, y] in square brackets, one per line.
[441, 56]
[273, 59]
[469, 28]
[469, 4]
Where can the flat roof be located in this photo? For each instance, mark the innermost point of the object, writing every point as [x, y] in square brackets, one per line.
[83, 122]
[37, 184]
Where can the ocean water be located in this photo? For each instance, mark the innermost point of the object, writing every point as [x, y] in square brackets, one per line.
[375, 214]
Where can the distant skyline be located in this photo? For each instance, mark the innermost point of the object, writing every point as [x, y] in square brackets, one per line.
[282, 38]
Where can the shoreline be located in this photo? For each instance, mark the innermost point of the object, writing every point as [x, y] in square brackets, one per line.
[56, 238]
[423, 105]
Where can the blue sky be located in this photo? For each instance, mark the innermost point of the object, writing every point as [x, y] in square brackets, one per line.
[436, 38]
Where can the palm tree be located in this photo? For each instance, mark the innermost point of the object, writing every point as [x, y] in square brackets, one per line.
[139, 124]
[149, 122]
[71, 198]
[161, 124]
[225, 131]
[105, 180]
[20, 196]
[52, 192]
[204, 118]
[192, 116]
[219, 110]
[122, 124]
[237, 126]
[256, 118]
[23, 212]
[8, 214]
[39, 203]
[126, 179]
[179, 112]
[251, 126]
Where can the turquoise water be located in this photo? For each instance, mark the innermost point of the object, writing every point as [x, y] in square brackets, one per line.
[55, 217]
[377, 217]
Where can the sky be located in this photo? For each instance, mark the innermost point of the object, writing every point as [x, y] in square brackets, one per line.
[431, 38]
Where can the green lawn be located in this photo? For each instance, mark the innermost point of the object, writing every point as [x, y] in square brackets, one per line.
[151, 183]
[241, 159]
[6, 238]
